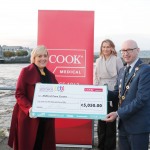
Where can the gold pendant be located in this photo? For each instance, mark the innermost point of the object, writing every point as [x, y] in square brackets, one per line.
[123, 97]
[43, 73]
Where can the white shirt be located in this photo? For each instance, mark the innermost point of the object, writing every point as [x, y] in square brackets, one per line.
[132, 65]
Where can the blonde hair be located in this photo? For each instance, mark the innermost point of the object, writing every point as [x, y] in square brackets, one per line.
[112, 45]
[37, 51]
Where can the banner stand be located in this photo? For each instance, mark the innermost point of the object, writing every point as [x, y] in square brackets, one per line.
[69, 37]
[83, 146]
[73, 145]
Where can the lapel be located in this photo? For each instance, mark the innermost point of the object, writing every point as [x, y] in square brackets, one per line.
[130, 75]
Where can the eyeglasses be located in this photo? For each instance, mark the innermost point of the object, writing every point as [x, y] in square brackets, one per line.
[128, 51]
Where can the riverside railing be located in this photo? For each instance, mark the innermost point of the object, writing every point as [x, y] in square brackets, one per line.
[7, 88]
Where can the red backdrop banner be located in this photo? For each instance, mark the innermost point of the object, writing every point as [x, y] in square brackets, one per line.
[69, 37]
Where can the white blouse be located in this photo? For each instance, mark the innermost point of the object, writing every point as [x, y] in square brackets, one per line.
[106, 71]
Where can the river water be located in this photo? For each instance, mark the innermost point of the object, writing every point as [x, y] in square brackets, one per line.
[8, 78]
[9, 73]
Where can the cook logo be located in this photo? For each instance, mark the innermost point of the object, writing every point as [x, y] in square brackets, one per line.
[68, 62]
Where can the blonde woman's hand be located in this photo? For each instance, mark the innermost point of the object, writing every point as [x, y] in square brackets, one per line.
[30, 113]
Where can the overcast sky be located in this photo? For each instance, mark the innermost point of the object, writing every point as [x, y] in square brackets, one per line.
[118, 20]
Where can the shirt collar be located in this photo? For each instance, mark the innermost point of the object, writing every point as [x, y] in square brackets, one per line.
[132, 64]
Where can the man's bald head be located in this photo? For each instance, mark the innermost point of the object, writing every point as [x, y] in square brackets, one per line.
[130, 43]
[130, 51]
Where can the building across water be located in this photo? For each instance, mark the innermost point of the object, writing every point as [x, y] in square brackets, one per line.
[1, 55]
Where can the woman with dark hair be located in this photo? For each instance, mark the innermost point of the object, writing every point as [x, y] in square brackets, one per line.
[106, 71]
[26, 132]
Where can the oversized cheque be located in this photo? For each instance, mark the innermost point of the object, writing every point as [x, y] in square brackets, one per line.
[70, 101]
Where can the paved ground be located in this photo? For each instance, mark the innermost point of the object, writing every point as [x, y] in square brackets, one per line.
[4, 146]
[4, 139]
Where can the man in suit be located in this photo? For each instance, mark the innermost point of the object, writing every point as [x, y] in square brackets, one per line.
[134, 100]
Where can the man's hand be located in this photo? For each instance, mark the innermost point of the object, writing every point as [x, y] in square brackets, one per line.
[111, 117]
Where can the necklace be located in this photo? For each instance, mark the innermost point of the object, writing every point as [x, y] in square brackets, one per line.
[42, 73]
[122, 97]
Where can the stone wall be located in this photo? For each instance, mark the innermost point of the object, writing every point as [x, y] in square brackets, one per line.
[21, 59]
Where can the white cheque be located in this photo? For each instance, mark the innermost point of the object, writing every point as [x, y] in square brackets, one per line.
[70, 101]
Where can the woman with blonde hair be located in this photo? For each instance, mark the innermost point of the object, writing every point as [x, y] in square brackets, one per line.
[106, 71]
[26, 132]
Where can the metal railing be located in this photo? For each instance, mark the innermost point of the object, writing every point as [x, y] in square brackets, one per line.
[7, 88]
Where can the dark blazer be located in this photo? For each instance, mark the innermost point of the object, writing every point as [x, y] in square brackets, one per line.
[23, 128]
[134, 111]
